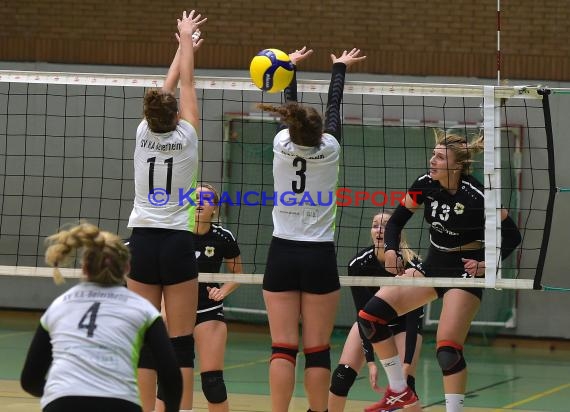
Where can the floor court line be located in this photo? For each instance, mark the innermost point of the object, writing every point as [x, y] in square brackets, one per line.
[475, 391]
[15, 400]
[247, 359]
[12, 334]
[534, 397]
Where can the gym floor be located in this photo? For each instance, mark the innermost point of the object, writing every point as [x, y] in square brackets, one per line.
[511, 375]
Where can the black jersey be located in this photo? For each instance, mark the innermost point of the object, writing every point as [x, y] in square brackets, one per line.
[211, 249]
[365, 263]
[455, 219]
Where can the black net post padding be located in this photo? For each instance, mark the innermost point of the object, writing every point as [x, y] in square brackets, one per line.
[552, 190]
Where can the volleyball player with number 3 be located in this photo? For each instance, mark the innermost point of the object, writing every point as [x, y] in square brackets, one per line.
[301, 278]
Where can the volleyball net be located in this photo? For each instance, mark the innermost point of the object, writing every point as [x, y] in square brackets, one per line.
[67, 141]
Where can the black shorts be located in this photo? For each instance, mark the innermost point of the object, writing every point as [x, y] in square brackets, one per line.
[398, 325]
[304, 266]
[214, 314]
[162, 256]
[440, 264]
[90, 404]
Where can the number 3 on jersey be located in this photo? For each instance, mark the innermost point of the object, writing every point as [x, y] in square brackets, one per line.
[88, 321]
[299, 186]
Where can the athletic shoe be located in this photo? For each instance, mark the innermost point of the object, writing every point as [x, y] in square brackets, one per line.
[393, 401]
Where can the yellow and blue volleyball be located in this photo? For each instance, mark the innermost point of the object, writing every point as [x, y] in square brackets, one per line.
[271, 70]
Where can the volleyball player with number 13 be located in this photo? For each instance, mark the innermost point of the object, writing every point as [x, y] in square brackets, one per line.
[454, 206]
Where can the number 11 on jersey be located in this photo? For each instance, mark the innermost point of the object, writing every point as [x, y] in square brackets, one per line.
[168, 187]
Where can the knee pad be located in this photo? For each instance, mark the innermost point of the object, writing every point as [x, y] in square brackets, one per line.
[184, 350]
[373, 320]
[318, 357]
[146, 358]
[213, 386]
[342, 380]
[284, 351]
[450, 357]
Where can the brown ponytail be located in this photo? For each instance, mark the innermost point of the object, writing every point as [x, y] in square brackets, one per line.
[304, 122]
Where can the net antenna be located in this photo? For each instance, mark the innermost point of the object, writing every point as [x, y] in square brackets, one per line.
[67, 142]
[498, 42]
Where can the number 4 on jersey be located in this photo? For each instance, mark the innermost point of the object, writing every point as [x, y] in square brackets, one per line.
[89, 318]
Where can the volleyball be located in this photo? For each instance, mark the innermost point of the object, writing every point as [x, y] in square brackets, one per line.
[271, 70]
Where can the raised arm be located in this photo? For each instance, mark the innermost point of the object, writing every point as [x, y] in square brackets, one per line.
[173, 75]
[290, 92]
[333, 124]
[188, 109]
[171, 81]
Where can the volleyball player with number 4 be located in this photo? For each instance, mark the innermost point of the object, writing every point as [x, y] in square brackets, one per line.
[162, 245]
[84, 354]
[301, 278]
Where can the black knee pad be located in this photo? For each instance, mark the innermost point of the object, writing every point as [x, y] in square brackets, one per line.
[318, 357]
[284, 351]
[213, 386]
[146, 358]
[373, 320]
[342, 380]
[450, 357]
[184, 350]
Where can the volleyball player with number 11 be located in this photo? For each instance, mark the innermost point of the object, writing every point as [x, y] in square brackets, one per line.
[162, 245]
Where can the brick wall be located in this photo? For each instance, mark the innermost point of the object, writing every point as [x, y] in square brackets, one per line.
[408, 37]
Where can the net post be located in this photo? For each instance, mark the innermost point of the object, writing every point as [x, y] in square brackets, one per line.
[492, 183]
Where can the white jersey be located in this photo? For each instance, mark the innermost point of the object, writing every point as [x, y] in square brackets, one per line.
[305, 182]
[166, 167]
[96, 335]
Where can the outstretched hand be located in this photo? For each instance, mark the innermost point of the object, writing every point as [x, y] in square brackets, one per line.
[189, 23]
[196, 40]
[348, 58]
[300, 55]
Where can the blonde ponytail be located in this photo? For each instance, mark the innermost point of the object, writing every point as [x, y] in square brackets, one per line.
[462, 149]
[105, 257]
